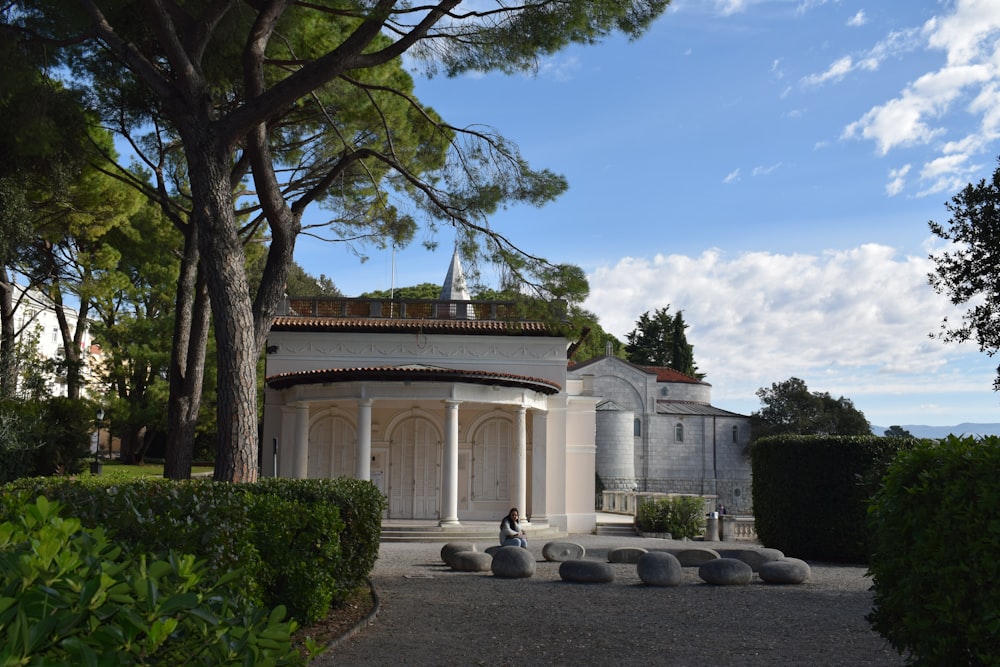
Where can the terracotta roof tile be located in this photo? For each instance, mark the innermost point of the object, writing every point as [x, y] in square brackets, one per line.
[411, 373]
[387, 325]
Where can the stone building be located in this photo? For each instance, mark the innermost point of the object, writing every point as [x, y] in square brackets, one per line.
[656, 430]
[453, 408]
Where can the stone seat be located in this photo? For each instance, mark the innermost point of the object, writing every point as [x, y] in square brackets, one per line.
[726, 572]
[471, 561]
[626, 554]
[695, 557]
[659, 568]
[562, 551]
[452, 548]
[513, 563]
[586, 572]
[784, 571]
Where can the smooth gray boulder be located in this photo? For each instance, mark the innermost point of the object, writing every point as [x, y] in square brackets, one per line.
[586, 572]
[471, 561]
[785, 571]
[513, 563]
[696, 557]
[559, 552]
[757, 557]
[626, 554]
[659, 568]
[726, 572]
[493, 550]
[451, 548]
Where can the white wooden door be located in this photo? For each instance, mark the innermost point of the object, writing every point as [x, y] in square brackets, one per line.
[414, 487]
[332, 448]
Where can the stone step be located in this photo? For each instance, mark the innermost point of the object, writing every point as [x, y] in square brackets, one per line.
[615, 530]
[457, 534]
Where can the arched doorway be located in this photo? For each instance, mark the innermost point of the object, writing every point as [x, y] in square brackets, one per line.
[414, 471]
[332, 447]
[491, 460]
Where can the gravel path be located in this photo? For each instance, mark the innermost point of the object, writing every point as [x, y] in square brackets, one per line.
[430, 614]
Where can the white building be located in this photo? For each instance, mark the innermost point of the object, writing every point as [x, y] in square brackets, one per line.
[35, 323]
[457, 411]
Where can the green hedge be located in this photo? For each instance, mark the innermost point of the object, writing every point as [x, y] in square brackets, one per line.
[70, 596]
[681, 516]
[810, 493]
[286, 537]
[934, 560]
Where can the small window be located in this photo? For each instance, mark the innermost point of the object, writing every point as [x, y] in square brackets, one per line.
[637, 427]
[736, 433]
[679, 433]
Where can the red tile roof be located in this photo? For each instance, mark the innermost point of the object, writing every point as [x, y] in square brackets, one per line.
[412, 373]
[386, 325]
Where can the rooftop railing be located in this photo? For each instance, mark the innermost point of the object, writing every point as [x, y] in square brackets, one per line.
[408, 309]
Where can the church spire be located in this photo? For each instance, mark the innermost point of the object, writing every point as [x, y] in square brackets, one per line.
[454, 288]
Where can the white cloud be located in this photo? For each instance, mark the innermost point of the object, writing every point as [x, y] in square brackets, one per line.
[897, 180]
[924, 111]
[850, 321]
[765, 170]
[732, 177]
[858, 19]
[835, 72]
[895, 44]
[727, 7]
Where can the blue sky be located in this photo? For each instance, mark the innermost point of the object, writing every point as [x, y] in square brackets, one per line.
[769, 168]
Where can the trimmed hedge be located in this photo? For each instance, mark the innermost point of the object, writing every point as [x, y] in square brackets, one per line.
[285, 537]
[811, 493]
[934, 564]
[70, 596]
[681, 516]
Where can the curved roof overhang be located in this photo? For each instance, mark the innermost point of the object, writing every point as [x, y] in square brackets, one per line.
[411, 373]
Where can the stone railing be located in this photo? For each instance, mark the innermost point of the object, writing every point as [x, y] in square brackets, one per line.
[735, 527]
[412, 309]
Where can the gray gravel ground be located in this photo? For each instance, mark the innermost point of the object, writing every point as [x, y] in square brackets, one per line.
[431, 615]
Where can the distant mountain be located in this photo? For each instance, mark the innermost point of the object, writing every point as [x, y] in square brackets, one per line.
[918, 431]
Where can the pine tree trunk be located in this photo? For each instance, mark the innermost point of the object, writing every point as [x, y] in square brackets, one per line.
[232, 312]
[187, 362]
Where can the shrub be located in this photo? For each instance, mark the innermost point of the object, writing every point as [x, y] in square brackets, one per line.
[935, 538]
[811, 492]
[304, 544]
[43, 437]
[69, 596]
[360, 504]
[681, 516]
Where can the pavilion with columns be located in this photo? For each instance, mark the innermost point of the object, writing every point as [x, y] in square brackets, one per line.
[456, 409]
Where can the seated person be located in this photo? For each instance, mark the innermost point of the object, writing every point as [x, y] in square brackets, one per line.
[511, 534]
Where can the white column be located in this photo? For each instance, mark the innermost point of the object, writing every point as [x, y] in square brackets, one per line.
[300, 466]
[539, 469]
[363, 455]
[449, 472]
[521, 461]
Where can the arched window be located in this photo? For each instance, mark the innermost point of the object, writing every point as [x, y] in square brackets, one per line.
[679, 433]
[637, 427]
[736, 433]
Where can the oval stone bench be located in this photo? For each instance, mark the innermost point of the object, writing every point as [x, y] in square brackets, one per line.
[626, 554]
[726, 572]
[785, 571]
[559, 552]
[452, 548]
[471, 561]
[513, 563]
[586, 572]
[659, 568]
[696, 557]
[493, 550]
[757, 557]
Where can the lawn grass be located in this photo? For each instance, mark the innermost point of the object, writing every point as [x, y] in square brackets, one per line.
[119, 469]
